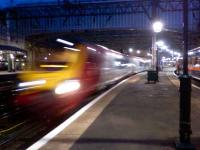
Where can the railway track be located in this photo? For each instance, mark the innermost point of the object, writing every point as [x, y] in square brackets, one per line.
[22, 129]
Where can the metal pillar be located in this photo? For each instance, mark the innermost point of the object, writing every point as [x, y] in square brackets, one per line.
[154, 58]
[9, 63]
[157, 62]
[184, 142]
[154, 17]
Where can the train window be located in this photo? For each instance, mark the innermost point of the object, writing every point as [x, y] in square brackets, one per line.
[54, 59]
[121, 63]
[52, 66]
[108, 61]
[194, 60]
[198, 60]
[190, 60]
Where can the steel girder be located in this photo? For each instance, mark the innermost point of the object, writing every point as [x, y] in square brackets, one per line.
[85, 9]
[94, 9]
[31, 16]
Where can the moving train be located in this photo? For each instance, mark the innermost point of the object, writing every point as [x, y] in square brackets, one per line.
[67, 70]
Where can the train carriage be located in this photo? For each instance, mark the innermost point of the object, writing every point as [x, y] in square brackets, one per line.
[194, 62]
[70, 70]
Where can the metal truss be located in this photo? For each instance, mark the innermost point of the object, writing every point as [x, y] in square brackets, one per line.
[68, 9]
[65, 9]
[80, 9]
[176, 5]
[32, 16]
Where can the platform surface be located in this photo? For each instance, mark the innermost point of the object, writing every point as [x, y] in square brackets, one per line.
[133, 116]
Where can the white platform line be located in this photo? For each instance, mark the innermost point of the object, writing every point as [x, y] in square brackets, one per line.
[193, 85]
[196, 77]
[196, 86]
[175, 74]
[45, 139]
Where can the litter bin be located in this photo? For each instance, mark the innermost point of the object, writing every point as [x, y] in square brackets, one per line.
[152, 75]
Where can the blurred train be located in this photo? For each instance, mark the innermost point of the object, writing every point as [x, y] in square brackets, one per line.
[66, 71]
[193, 63]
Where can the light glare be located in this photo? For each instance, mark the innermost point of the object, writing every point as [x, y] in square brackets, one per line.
[130, 50]
[67, 86]
[190, 53]
[160, 43]
[65, 42]
[73, 49]
[12, 56]
[138, 52]
[157, 26]
[103, 47]
[92, 49]
[148, 54]
[53, 66]
[32, 83]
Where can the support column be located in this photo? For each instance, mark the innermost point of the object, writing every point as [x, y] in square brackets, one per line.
[154, 17]
[185, 131]
[154, 49]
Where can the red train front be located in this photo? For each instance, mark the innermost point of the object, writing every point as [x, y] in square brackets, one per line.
[66, 71]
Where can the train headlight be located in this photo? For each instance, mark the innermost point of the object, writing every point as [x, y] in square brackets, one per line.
[32, 83]
[67, 86]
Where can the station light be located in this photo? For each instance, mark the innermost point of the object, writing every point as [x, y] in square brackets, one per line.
[164, 47]
[157, 26]
[175, 53]
[138, 52]
[12, 56]
[167, 50]
[73, 49]
[148, 54]
[65, 42]
[190, 53]
[178, 54]
[130, 50]
[45, 58]
[160, 43]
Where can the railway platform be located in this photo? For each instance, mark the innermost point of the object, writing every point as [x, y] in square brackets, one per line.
[133, 115]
